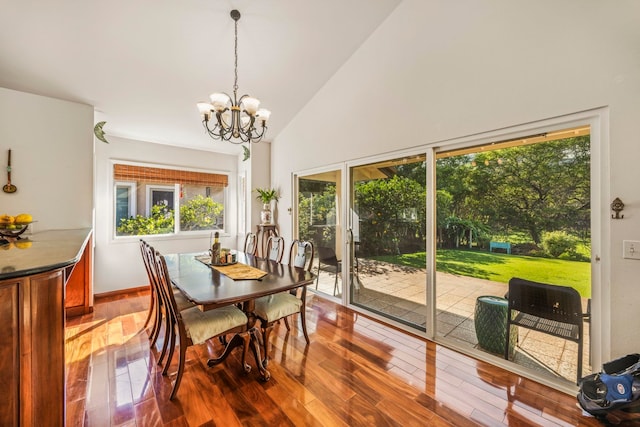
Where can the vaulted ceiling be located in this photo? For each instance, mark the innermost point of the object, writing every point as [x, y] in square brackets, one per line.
[143, 64]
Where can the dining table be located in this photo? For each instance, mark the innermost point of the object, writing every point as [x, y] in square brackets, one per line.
[210, 287]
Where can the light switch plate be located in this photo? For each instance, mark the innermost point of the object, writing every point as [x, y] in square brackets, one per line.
[631, 249]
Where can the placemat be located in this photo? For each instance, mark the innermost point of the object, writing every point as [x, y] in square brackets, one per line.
[236, 271]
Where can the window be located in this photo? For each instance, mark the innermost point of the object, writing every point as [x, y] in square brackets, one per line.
[125, 200]
[154, 200]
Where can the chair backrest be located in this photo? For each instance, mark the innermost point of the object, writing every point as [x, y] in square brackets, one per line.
[553, 302]
[144, 247]
[327, 255]
[251, 244]
[275, 248]
[301, 254]
[148, 257]
[166, 290]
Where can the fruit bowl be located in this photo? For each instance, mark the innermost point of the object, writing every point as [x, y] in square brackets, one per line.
[14, 229]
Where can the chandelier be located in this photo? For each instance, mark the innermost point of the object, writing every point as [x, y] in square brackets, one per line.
[232, 119]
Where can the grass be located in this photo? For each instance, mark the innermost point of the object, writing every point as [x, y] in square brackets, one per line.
[502, 267]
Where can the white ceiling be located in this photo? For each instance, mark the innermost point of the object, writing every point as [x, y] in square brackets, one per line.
[143, 64]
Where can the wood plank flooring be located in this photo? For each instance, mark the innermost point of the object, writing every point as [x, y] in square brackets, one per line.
[355, 372]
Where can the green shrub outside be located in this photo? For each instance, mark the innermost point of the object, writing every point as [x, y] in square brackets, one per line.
[159, 222]
[556, 243]
[200, 213]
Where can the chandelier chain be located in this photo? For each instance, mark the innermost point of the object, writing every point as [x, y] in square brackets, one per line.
[235, 82]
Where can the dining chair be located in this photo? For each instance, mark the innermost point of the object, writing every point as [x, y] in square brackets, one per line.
[251, 244]
[194, 326]
[327, 256]
[301, 254]
[157, 303]
[275, 248]
[271, 308]
[154, 304]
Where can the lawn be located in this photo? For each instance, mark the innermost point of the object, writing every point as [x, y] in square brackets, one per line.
[502, 267]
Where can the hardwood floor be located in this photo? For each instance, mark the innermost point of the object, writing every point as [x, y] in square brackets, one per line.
[355, 372]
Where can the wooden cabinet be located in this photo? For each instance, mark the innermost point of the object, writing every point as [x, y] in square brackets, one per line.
[78, 298]
[9, 352]
[32, 350]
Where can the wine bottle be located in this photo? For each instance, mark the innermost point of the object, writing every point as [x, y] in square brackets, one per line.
[215, 250]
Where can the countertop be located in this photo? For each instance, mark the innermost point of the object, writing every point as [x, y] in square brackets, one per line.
[42, 251]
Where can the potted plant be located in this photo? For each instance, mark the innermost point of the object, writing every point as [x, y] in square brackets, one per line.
[266, 195]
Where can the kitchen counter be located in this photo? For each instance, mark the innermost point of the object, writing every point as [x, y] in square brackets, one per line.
[42, 251]
[43, 279]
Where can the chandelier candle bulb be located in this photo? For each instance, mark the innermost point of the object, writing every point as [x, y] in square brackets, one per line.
[219, 101]
[263, 114]
[250, 105]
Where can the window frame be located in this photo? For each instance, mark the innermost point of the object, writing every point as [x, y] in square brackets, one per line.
[176, 188]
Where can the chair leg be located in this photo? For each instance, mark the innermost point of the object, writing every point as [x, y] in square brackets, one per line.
[151, 306]
[153, 333]
[335, 284]
[303, 321]
[183, 354]
[172, 346]
[169, 340]
[266, 333]
[157, 324]
[286, 323]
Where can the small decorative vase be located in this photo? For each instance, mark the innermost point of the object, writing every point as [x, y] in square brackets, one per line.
[266, 215]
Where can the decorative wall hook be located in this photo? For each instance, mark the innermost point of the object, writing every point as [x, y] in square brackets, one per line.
[617, 206]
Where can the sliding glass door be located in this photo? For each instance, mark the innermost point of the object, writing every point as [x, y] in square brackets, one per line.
[429, 240]
[319, 217]
[387, 239]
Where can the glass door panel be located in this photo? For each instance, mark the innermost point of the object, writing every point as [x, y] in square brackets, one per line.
[518, 208]
[319, 216]
[388, 243]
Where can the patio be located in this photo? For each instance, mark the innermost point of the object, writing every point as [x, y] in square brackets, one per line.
[400, 292]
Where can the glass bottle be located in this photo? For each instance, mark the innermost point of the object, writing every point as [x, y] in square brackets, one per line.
[215, 250]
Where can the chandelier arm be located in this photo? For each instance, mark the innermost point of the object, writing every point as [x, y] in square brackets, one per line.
[221, 123]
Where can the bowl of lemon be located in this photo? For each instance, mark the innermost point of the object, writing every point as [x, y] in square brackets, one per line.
[14, 226]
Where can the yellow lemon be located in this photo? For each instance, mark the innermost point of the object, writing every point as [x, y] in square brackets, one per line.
[23, 218]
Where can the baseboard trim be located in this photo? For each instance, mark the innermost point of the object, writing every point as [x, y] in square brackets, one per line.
[122, 293]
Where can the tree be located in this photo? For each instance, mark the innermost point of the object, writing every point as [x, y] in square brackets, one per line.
[536, 188]
[390, 210]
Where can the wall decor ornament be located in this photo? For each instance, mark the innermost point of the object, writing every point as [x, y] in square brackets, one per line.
[99, 133]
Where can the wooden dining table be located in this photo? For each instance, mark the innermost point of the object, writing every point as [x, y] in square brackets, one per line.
[208, 288]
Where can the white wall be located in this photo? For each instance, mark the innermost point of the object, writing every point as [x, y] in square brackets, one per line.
[118, 264]
[438, 70]
[51, 144]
